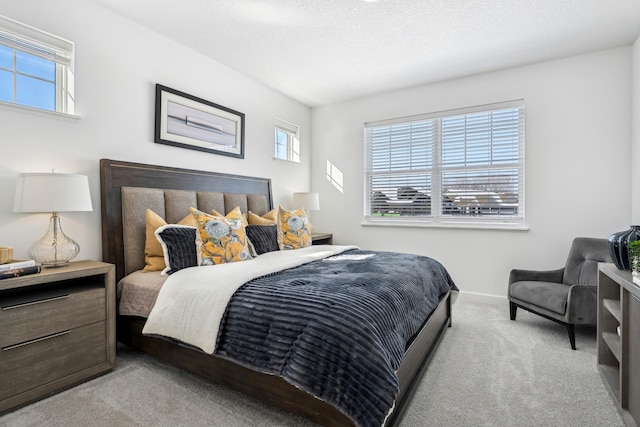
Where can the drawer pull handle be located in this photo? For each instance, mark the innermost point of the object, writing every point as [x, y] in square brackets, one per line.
[35, 302]
[48, 337]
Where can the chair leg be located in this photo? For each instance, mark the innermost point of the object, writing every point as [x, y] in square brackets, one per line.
[572, 335]
[512, 310]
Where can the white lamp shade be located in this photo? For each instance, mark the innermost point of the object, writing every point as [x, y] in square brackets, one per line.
[52, 192]
[309, 201]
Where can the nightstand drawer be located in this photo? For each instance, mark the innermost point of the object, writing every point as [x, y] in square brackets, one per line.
[28, 365]
[25, 316]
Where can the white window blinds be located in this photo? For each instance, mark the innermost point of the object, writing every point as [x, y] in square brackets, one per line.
[35, 42]
[463, 166]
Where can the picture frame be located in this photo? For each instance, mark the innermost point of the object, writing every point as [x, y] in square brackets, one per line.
[186, 121]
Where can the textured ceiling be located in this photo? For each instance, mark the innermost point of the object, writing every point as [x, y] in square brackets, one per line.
[326, 51]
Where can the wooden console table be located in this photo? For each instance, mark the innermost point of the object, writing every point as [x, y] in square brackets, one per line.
[619, 339]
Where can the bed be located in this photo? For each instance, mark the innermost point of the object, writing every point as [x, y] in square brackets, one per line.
[127, 189]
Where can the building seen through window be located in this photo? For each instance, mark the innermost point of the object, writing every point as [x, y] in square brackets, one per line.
[464, 166]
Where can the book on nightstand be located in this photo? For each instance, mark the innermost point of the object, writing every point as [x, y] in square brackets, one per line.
[13, 264]
[16, 272]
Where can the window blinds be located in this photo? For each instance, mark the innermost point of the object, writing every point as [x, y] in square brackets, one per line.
[35, 42]
[461, 165]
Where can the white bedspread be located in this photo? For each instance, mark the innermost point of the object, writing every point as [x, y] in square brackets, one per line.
[192, 301]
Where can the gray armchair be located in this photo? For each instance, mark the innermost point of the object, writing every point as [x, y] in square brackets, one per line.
[568, 295]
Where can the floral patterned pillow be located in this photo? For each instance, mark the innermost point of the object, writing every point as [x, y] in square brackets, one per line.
[223, 238]
[294, 229]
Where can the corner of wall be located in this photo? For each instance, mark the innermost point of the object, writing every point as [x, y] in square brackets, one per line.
[635, 132]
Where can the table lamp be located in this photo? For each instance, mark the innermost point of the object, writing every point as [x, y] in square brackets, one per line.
[53, 192]
[309, 201]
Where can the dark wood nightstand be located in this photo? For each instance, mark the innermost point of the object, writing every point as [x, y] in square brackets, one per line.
[58, 330]
[321, 239]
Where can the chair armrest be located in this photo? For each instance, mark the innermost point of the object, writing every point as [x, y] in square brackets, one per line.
[582, 304]
[554, 276]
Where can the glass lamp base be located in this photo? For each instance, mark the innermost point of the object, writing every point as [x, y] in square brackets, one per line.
[54, 249]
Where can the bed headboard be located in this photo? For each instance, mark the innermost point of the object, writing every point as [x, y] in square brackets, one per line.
[127, 189]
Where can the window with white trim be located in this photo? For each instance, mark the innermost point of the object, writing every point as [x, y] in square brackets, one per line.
[287, 141]
[36, 68]
[461, 167]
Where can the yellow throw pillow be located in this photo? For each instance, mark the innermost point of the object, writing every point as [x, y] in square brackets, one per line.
[223, 237]
[294, 229]
[244, 216]
[153, 254]
[270, 218]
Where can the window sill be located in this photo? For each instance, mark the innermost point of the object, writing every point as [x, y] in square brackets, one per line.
[8, 106]
[444, 224]
[285, 160]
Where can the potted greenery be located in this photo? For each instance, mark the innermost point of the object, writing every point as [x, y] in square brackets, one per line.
[634, 257]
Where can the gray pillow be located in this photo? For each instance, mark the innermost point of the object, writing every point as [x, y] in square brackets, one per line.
[179, 246]
[263, 237]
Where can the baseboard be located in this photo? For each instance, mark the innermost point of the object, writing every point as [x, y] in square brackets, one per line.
[483, 298]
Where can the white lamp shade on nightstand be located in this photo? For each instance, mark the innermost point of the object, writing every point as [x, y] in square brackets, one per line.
[53, 192]
[309, 201]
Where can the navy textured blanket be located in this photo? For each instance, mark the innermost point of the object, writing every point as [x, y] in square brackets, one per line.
[336, 328]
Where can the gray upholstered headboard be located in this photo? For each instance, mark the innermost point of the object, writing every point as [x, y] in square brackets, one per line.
[128, 189]
[172, 205]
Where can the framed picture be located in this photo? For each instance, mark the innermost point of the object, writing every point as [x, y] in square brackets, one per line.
[189, 122]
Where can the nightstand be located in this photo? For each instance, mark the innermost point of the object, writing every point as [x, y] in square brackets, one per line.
[321, 239]
[57, 330]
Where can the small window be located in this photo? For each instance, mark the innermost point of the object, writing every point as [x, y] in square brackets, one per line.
[287, 141]
[459, 168]
[36, 68]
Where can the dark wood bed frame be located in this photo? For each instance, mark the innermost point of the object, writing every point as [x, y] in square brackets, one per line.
[268, 388]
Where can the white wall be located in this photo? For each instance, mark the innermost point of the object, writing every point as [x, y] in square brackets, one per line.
[635, 157]
[578, 178]
[118, 64]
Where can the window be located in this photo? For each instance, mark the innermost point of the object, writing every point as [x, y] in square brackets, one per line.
[461, 167]
[36, 68]
[287, 141]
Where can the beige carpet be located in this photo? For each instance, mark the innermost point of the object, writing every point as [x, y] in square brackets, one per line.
[488, 371]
